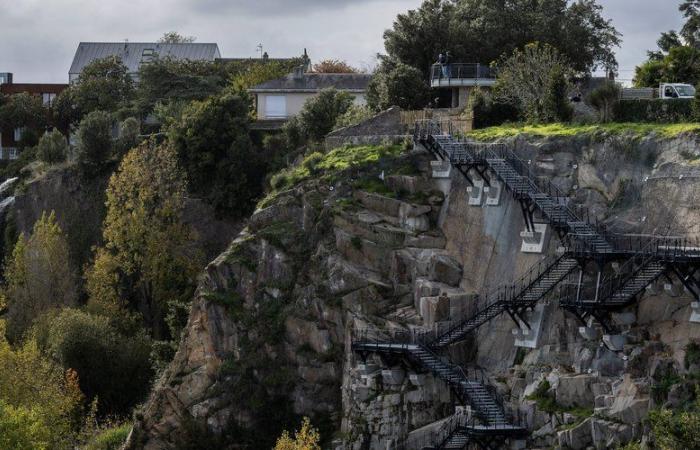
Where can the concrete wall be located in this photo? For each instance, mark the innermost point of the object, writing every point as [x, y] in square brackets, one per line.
[295, 102]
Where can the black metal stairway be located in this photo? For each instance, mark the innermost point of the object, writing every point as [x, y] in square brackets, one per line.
[489, 421]
[513, 298]
[516, 175]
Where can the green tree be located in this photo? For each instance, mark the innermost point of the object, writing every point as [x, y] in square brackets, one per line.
[604, 99]
[526, 77]
[104, 85]
[53, 147]
[691, 28]
[129, 132]
[307, 438]
[319, 114]
[40, 404]
[112, 367]
[94, 146]
[354, 115]
[214, 148]
[557, 106]
[173, 37]
[397, 84]
[148, 262]
[23, 110]
[677, 430]
[38, 276]
[480, 31]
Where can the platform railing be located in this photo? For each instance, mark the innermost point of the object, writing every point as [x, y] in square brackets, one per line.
[461, 71]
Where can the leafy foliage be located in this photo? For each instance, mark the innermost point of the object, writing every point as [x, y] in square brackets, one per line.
[94, 146]
[534, 79]
[397, 84]
[354, 115]
[307, 438]
[147, 259]
[112, 367]
[39, 403]
[38, 276]
[333, 66]
[677, 430]
[53, 147]
[320, 113]
[173, 37]
[112, 438]
[480, 31]
[213, 147]
[22, 110]
[659, 111]
[490, 110]
[604, 99]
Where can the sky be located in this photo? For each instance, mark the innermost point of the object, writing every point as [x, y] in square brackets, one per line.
[38, 37]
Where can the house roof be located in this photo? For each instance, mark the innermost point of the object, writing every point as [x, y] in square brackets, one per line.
[132, 53]
[314, 82]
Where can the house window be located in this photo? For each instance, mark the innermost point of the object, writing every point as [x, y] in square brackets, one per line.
[13, 153]
[275, 107]
[47, 98]
[148, 55]
[18, 134]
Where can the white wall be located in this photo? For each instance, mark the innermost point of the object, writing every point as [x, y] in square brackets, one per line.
[295, 102]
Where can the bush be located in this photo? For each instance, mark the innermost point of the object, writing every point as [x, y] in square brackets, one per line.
[110, 439]
[605, 100]
[129, 131]
[320, 113]
[657, 111]
[556, 102]
[113, 367]
[354, 115]
[397, 84]
[489, 111]
[52, 148]
[94, 141]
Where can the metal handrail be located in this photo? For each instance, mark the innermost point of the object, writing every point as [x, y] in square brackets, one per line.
[471, 71]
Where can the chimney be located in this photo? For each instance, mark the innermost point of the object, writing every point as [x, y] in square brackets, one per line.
[298, 73]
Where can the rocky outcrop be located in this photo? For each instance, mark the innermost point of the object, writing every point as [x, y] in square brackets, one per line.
[270, 331]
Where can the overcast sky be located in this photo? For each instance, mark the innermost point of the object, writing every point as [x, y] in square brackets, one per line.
[38, 37]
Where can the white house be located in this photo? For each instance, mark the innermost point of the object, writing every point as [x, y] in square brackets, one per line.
[278, 100]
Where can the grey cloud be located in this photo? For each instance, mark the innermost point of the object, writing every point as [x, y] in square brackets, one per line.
[273, 7]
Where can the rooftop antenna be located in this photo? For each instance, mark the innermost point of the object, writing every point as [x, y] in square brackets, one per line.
[259, 48]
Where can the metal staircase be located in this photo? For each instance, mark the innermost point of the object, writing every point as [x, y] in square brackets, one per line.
[534, 193]
[489, 421]
[513, 298]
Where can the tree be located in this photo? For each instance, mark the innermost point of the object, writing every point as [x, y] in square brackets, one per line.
[526, 76]
[307, 438]
[22, 110]
[129, 131]
[691, 28]
[94, 146]
[53, 147]
[397, 84]
[112, 367]
[40, 404]
[604, 99]
[319, 114]
[556, 101]
[480, 31]
[333, 66]
[38, 276]
[680, 65]
[148, 261]
[677, 430]
[214, 148]
[173, 37]
[354, 115]
[104, 85]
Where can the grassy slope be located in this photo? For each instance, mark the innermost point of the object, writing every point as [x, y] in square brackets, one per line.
[560, 129]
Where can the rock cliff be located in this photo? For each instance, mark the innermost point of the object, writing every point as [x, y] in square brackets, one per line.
[269, 334]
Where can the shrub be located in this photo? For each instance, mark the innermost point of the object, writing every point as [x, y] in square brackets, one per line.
[489, 111]
[38, 276]
[52, 147]
[129, 131]
[112, 367]
[94, 141]
[397, 84]
[320, 113]
[657, 111]
[556, 102]
[354, 115]
[110, 439]
[605, 99]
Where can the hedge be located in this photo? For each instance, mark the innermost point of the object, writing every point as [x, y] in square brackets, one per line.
[658, 111]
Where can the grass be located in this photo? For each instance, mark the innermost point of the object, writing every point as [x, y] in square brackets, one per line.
[325, 165]
[110, 439]
[547, 403]
[562, 129]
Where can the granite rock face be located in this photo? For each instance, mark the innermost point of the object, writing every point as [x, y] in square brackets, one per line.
[275, 315]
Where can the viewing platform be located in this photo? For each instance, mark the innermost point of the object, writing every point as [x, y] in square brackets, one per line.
[461, 75]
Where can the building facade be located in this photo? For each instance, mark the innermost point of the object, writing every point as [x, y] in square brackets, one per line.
[10, 138]
[278, 100]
